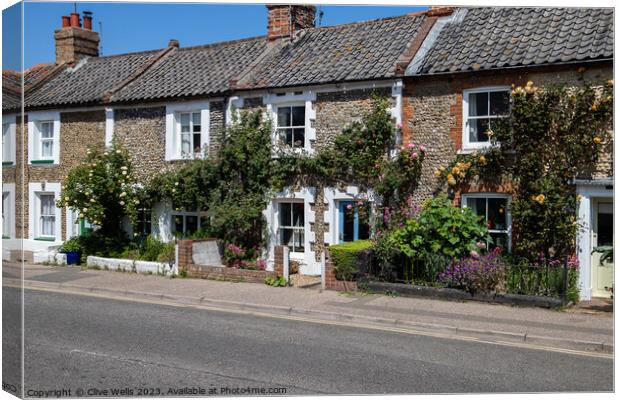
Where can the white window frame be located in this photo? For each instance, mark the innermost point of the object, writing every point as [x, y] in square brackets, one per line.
[467, 145]
[302, 228]
[11, 121]
[8, 206]
[34, 137]
[109, 126]
[34, 217]
[292, 127]
[487, 196]
[173, 129]
[293, 99]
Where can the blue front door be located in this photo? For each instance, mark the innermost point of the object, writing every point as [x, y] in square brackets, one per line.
[353, 222]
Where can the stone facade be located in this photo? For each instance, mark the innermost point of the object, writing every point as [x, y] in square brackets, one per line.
[336, 109]
[142, 131]
[433, 114]
[78, 131]
[217, 118]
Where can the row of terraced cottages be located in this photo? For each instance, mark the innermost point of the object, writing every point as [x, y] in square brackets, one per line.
[447, 71]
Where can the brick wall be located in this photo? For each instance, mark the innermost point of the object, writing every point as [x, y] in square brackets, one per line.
[331, 283]
[185, 263]
[433, 115]
[286, 19]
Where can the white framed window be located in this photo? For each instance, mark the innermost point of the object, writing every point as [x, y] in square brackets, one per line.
[187, 130]
[495, 209]
[8, 210]
[292, 114]
[44, 137]
[8, 140]
[482, 107]
[44, 217]
[291, 125]
[47, 214]
[190, 131]
[291, 226]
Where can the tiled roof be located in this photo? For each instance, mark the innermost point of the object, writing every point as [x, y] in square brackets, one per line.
[88, 80]
[12, 83]
[495, 37]
[194, 71]
[358, 51]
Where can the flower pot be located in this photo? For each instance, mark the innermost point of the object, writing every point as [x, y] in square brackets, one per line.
[73, 257]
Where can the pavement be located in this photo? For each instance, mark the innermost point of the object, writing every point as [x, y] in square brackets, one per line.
[575, 329]
[84, 345]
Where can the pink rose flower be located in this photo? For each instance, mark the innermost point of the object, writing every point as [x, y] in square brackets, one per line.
[481, 245]
[410, 146]
[423, 149]
[349, 206]
[474, 254]
[414, 155]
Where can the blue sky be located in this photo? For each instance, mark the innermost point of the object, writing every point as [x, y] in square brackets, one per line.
[134, 27]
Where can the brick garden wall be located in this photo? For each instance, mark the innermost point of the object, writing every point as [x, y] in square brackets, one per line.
[185, 263]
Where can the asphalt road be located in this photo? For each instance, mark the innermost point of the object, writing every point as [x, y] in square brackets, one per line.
[92, 344]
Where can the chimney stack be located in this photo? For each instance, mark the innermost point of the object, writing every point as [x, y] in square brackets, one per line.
[284, 20]
[73, 41]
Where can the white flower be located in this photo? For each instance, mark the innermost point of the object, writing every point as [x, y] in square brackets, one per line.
[66, 199]
[81, 215]
[123, 194]
[122, 203]
[118, 152]
[124, 172]
[92, 200]
[176, 183]
[123, 167]
[174, 190]
[136, 201]
[84, 209]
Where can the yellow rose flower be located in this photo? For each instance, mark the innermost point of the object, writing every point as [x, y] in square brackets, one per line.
[437, 173]
[482, 160]
[540, 199]
[451, 180]
[597, 139]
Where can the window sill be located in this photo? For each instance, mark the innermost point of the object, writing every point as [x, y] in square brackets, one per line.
[34, 162]
[46, 239]
[6, 237]
[8, 163]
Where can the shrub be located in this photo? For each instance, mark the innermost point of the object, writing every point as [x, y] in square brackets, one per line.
[71, 245]
[103, 190]
[440, 228]
[345, 258]
[476, 273]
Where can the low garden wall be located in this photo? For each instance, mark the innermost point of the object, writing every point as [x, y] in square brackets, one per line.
[141, 267]
[187, 264]
[409, 290]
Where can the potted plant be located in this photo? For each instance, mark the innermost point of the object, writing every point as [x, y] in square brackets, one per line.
[73, 250]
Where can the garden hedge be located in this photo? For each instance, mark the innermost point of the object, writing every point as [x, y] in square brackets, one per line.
[345, 258]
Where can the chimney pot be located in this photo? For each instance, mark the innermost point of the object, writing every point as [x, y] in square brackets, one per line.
[173, 43]
[88, 22]
[66, 22]
[75, 20]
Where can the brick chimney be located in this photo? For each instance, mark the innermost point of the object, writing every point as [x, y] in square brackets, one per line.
[284, 20]
[73, 41]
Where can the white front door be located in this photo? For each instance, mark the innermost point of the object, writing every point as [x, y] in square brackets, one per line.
[602, 235]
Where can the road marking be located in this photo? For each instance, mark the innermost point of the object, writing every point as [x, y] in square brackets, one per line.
[409, 331]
